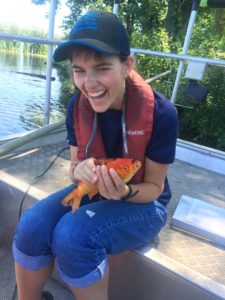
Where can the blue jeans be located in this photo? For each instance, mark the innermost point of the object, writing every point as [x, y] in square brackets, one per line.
[80, 241]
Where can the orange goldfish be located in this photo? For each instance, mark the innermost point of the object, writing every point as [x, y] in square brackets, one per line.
[125, 168]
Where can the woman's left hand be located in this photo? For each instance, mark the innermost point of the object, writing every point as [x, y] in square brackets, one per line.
[110, 185]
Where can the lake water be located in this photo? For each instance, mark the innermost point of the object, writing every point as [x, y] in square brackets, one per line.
[22, 96]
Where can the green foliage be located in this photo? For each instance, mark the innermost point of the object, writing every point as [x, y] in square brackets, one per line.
[15, 46]
[205, 40]
[149, 66]
[136, 15]
[67, 86]
[161, 25]
[204, 124]
[157, 41]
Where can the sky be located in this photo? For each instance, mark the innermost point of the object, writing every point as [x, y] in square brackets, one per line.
[25, 14]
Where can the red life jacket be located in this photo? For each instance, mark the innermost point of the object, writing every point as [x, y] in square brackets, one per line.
[139, 123]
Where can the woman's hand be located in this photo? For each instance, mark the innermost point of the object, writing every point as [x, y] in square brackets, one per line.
[86, 171]
[110, 185]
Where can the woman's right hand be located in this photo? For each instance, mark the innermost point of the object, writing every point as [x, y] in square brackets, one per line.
[85, 171]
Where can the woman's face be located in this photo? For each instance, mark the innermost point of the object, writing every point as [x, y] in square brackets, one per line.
[101, 79]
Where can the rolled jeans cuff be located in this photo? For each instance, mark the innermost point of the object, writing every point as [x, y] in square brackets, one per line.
[32, 263]
[87, 280]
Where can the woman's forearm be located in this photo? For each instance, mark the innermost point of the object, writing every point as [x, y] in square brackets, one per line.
[147, 192]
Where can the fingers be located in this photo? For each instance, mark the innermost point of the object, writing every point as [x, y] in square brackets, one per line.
[101, 183]
[86, 171]
[110, 185]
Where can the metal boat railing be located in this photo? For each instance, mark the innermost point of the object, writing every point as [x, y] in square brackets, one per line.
[10, 146]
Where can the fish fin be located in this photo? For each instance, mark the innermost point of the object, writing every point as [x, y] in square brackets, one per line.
[73, 199]
[75, 204]
[100, 162]
[92, 193]
[66, 200]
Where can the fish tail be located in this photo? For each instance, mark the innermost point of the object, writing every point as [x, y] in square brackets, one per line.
[72, 199]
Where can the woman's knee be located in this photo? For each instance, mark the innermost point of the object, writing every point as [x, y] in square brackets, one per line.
[37, 223]
[69, 234]
[72, 245]
[77, 231]
[33, 233]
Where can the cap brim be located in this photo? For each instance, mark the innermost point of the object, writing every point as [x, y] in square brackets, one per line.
[63, 51]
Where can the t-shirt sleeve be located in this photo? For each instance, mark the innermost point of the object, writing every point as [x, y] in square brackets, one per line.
[71, 138]
[162, 145]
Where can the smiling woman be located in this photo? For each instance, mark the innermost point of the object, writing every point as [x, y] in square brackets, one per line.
[113, 101]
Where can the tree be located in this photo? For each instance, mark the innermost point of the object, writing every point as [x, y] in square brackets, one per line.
[139, 15]
[42, 2]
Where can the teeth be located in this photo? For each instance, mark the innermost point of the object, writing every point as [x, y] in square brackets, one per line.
[97, 94]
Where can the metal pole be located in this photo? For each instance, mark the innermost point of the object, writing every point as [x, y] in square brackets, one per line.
[152, 79]
[116, 7]
[209, 61]
[49, 61]
[185, 48]
[27, 39]
[6, 148]
[134, 51]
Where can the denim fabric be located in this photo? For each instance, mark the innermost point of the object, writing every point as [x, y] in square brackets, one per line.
[80, 241]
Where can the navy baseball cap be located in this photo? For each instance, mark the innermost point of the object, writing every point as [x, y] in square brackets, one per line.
[100, 31]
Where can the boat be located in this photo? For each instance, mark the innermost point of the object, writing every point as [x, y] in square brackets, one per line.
[175, 262]
[178, 264]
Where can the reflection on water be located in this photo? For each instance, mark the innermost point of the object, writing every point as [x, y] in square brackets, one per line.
[22, 97]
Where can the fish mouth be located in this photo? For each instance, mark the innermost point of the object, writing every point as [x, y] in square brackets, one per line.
[136, 163]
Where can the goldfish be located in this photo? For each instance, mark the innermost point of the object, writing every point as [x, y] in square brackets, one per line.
[125, 168]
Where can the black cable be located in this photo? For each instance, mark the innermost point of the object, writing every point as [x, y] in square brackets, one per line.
[35, 180]
[14, 292]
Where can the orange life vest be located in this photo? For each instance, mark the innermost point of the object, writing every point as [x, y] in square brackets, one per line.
[139, 122]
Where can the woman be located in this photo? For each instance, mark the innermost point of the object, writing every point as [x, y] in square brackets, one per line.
[113, 114]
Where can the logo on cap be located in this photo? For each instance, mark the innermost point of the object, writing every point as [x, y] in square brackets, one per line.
[88, 21]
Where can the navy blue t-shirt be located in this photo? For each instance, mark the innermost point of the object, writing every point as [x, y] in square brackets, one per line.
[161, 148]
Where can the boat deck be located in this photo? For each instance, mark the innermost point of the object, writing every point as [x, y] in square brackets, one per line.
[197, 255]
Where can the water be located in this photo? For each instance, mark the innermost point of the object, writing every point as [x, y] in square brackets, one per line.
[22, 97]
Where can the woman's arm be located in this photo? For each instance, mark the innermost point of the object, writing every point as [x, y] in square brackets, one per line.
[84, 170]
[153, 183]
[73, 153]
[73, 160]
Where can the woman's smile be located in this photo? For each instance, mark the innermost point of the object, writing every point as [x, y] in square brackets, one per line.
[97, 97]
